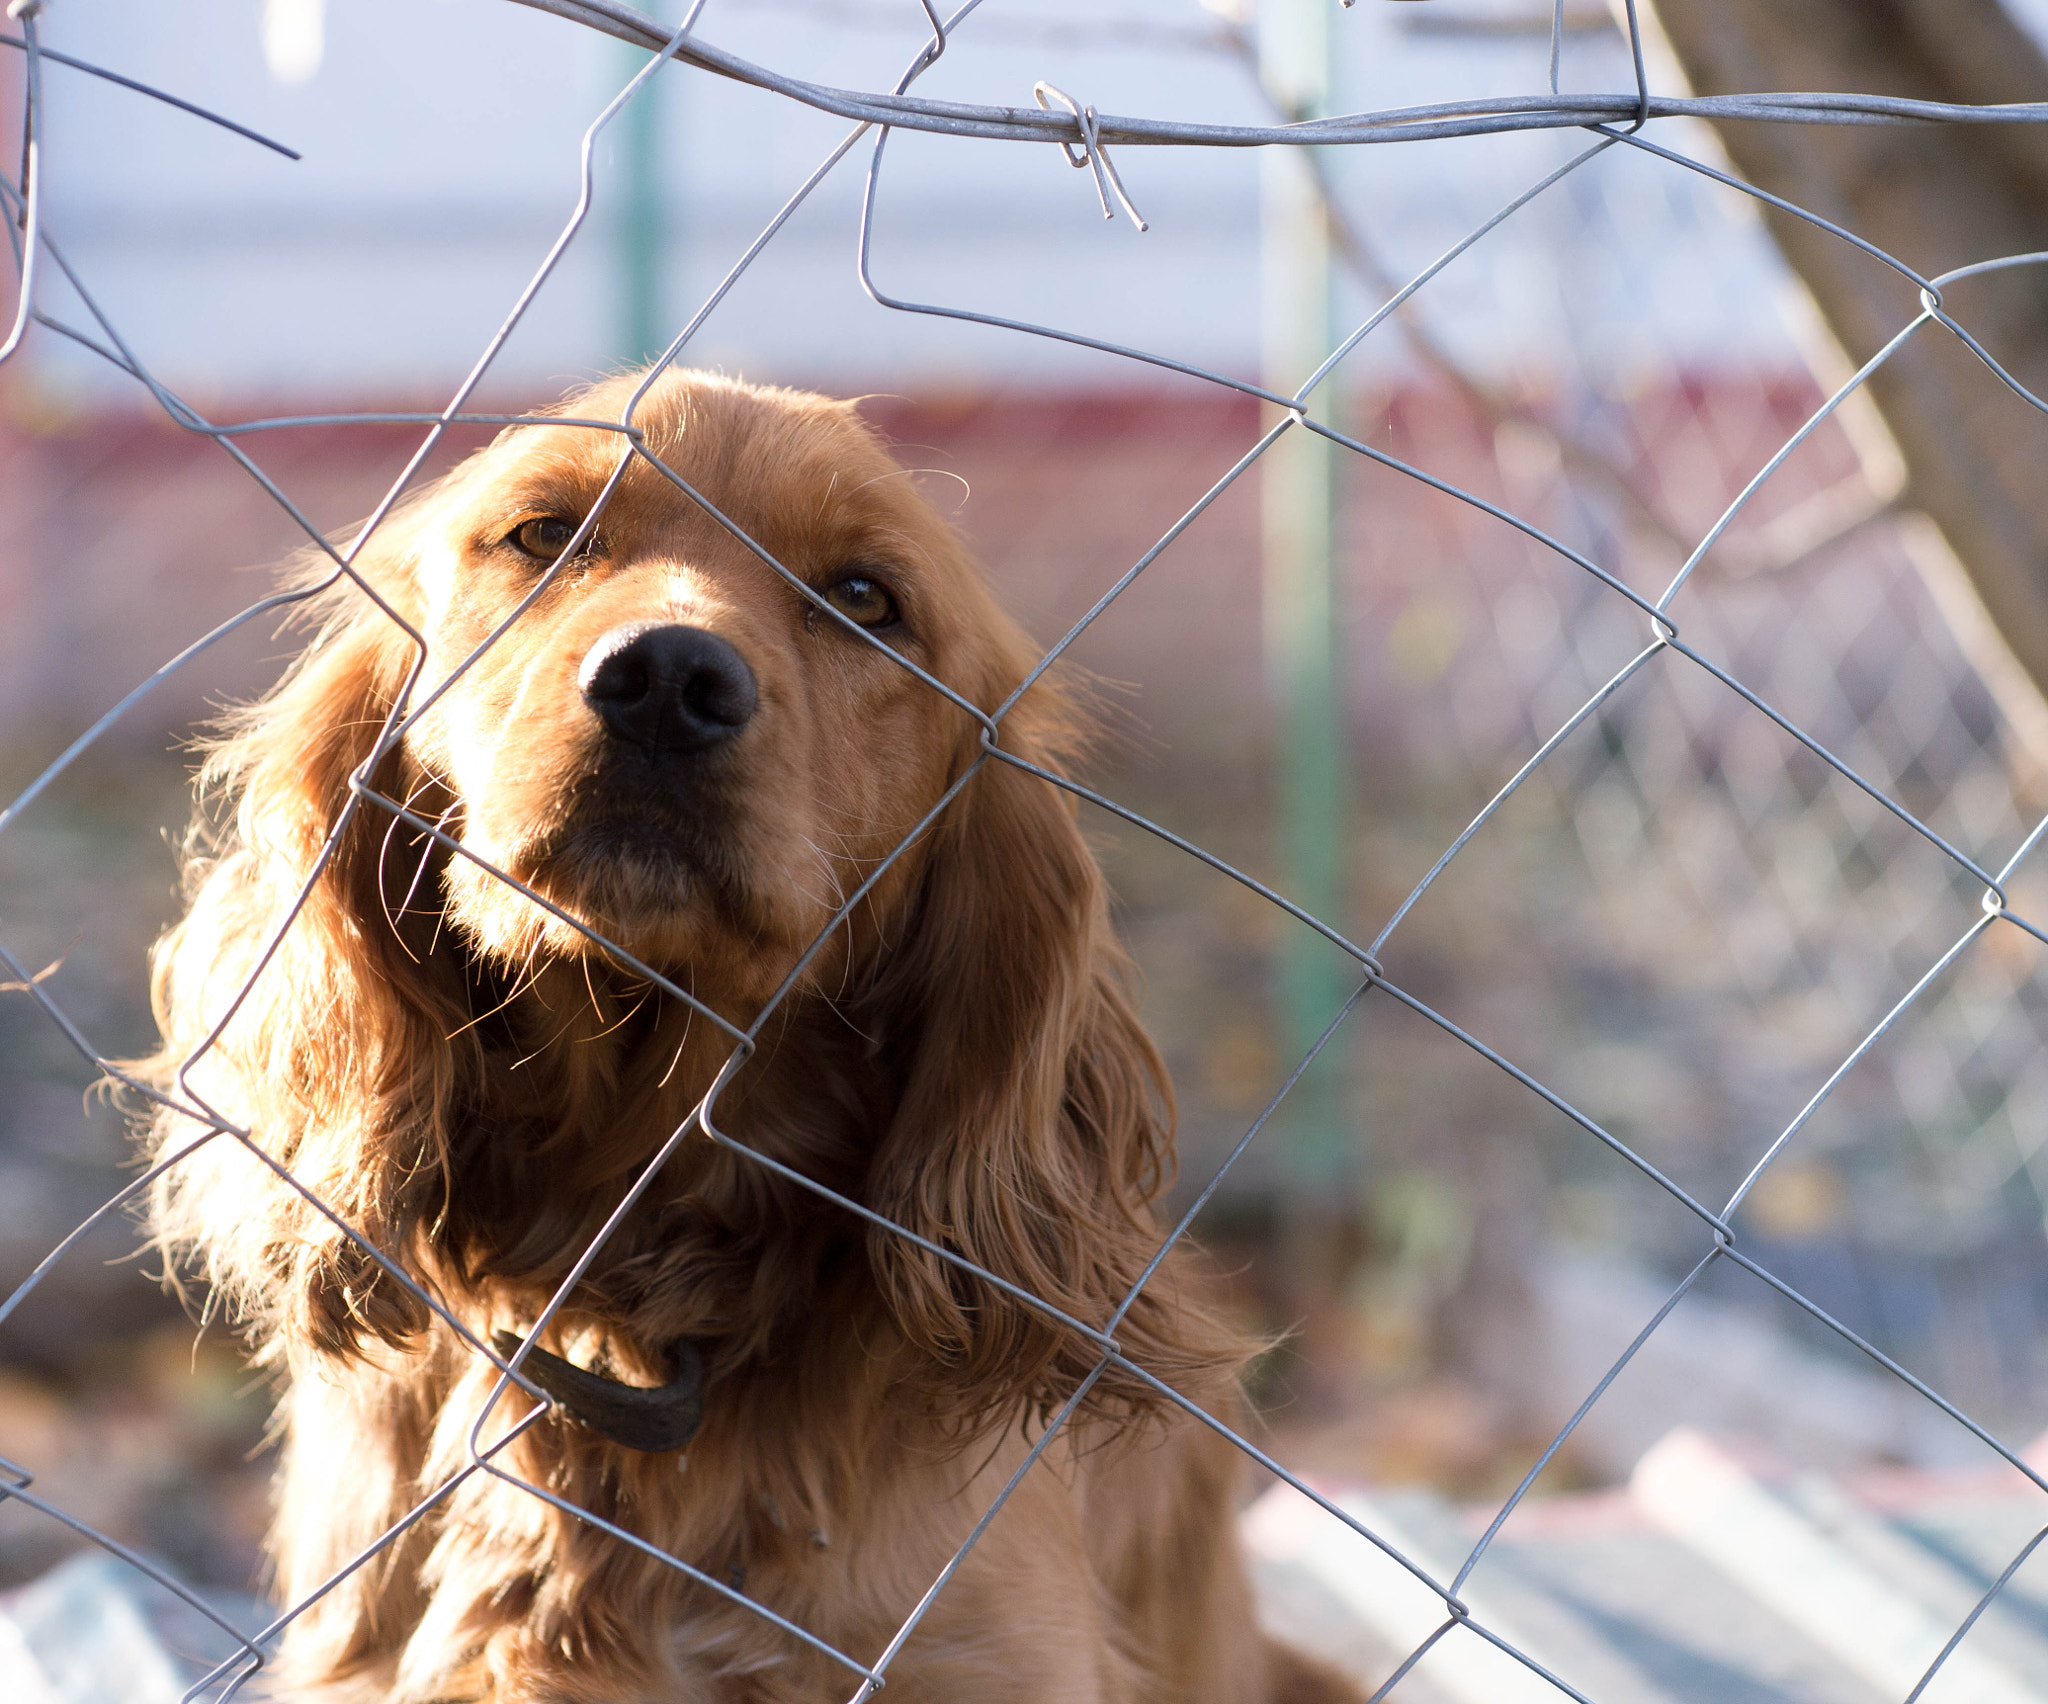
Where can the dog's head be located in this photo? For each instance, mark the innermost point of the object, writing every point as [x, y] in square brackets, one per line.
[689, 702]
[698, 736]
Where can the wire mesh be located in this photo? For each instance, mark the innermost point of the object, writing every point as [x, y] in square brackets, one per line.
[1907, 876]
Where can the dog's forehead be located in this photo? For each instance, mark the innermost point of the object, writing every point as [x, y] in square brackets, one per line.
[801, 468]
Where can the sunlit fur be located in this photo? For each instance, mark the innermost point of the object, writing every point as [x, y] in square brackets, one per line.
[471, 1085]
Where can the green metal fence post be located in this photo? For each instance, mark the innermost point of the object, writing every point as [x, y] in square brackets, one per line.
[1298, 502]
[641, 232]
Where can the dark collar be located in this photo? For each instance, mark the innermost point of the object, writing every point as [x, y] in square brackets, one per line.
[665, 1417]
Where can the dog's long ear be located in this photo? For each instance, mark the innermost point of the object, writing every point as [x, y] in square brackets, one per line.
[335, 1057]
[1034, 1124]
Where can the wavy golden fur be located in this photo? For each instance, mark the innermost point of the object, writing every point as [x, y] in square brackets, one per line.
[471, 1085]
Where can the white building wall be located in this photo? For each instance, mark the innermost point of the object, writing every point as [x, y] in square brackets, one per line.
[440, 141]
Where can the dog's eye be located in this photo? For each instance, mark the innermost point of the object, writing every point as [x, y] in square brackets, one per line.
[544, 536]
[864, 602]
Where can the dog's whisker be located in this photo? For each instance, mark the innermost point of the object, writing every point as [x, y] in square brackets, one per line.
[966, 490]
[647, 991]
[481, 1017]
[683, 1041]
[440, 911]
[633, 1011]
[427, 845]
[566, 1026]
[383, 898]
[526, 980]
[425, 781]
[836, 883]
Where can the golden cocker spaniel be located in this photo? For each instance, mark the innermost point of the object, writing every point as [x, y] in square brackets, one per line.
[664, 739]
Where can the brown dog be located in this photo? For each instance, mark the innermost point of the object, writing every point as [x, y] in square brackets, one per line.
[677, 748]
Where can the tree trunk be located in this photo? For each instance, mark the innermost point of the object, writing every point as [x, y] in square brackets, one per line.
[1936, 197]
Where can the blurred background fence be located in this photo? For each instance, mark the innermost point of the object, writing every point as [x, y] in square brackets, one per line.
[1682, 924]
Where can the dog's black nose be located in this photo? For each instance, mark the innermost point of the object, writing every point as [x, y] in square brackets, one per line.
[671, 690]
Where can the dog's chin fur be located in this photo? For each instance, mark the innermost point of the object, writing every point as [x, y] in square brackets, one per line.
[472, 1087]
[668, 898]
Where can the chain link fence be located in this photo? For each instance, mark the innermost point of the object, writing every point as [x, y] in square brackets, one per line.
[1790, 789]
